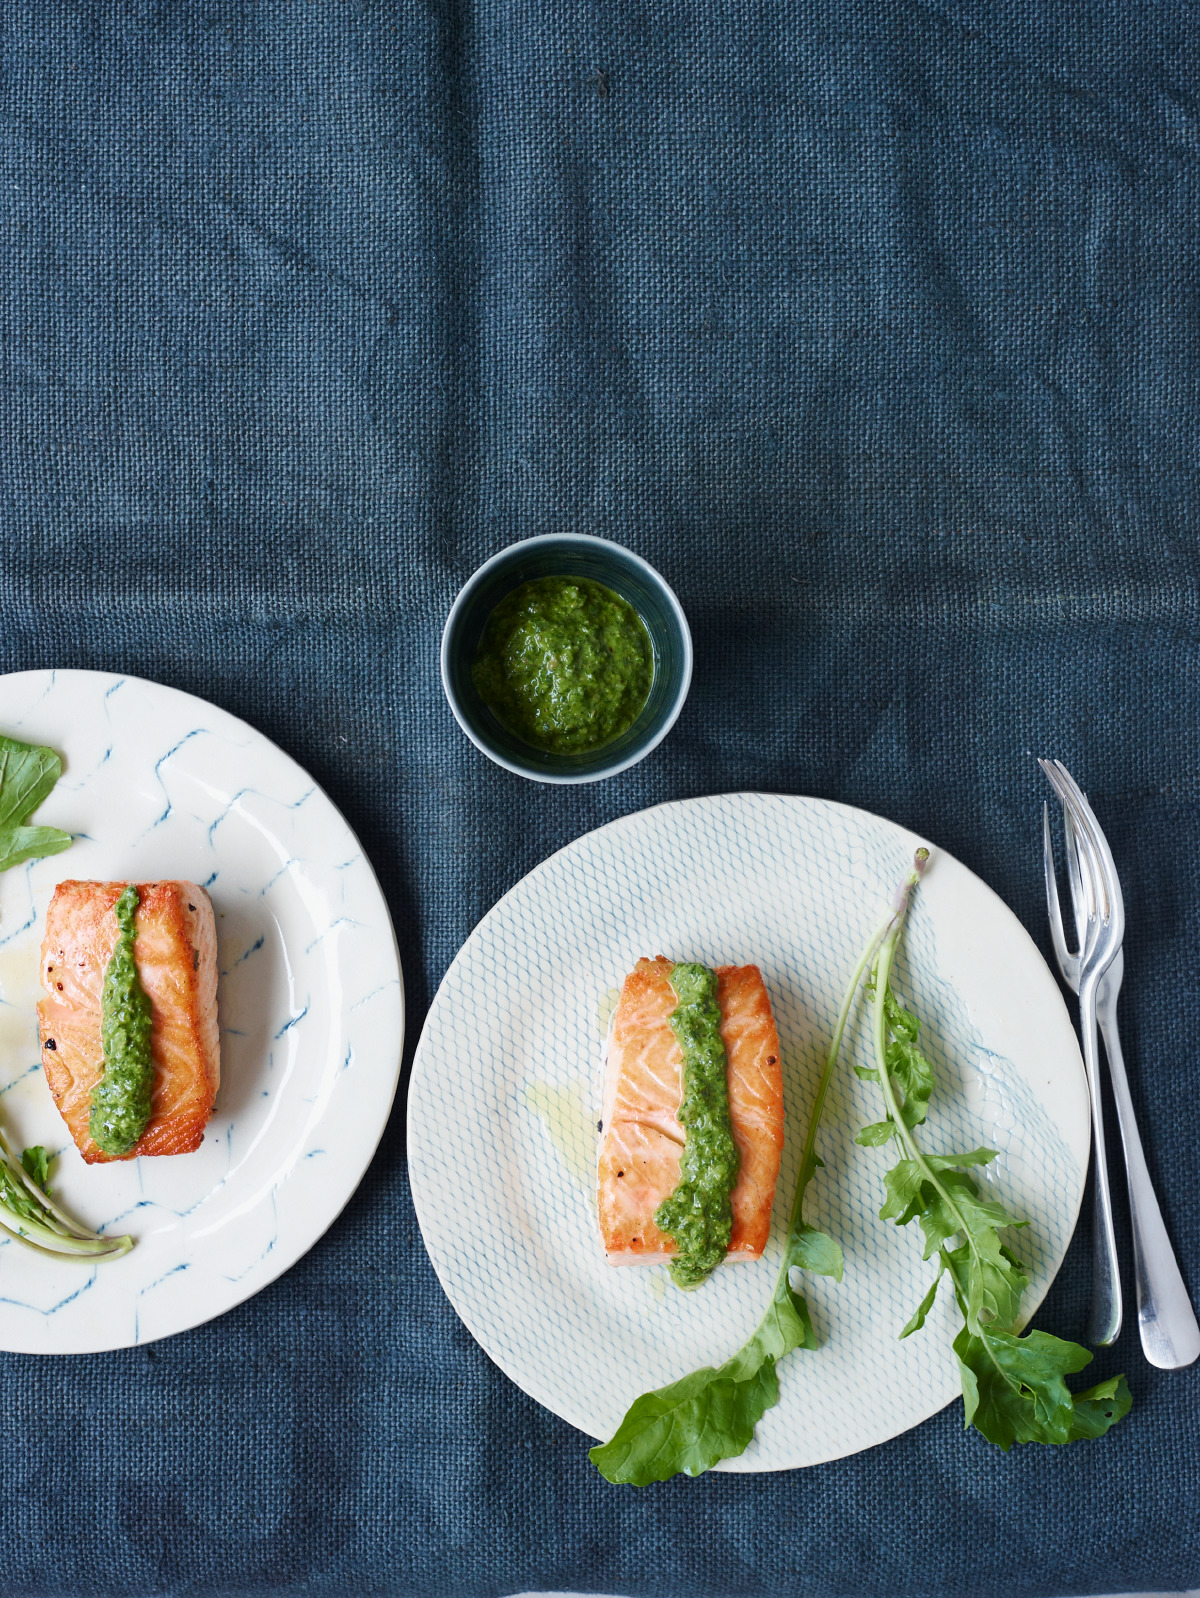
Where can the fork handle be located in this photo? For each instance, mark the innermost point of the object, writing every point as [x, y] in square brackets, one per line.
[1166, 1320]
[1104, 1319]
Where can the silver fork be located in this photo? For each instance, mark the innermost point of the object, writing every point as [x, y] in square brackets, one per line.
[1166, 1321]
[1101, 926]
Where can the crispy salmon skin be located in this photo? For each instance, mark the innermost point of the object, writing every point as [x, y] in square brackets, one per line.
[176, 956]
[643, 1084]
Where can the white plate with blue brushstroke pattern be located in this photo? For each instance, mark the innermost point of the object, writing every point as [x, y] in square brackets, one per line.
[506, 1088]
[157, 784]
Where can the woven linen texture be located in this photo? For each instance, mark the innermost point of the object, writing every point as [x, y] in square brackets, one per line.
[873, 324]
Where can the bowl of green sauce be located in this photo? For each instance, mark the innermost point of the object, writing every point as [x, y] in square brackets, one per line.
[566, 658]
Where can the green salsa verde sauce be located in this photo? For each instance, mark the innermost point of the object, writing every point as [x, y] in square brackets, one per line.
[565, 663]
[699, 1213]
[121, 1098]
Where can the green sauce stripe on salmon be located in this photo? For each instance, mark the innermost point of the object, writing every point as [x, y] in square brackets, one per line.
[698, 1216]
[121, 1098]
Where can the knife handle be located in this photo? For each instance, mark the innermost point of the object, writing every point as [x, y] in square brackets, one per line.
[1166, 1320]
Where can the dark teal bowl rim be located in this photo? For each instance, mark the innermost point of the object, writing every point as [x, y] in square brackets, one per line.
[633, 746]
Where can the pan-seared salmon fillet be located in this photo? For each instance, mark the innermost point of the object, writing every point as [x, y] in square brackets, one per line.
[176, 956]
[643, 1085]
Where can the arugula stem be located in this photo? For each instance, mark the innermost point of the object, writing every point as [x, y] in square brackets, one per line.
[52, 1241]
[808, 1163]
[100, 1248]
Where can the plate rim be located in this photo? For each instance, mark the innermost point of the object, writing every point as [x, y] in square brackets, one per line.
[421, 1199]
[282, 1259]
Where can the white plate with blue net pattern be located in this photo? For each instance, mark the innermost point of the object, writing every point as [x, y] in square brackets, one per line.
[506, 1089]
[157, 784]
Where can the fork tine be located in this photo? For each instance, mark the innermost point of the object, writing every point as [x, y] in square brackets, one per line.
[1057, 935]
[1092, 876]
[1050, 767]
[1079, 898]
[1053, 777]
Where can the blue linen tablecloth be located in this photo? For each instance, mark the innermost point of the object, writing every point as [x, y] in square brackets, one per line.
[875, 324]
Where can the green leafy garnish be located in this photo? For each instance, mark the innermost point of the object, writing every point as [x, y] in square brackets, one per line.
[711, 1414]
[27, 774]
[36, 1163]
[30, 1216]
[1014, 1388]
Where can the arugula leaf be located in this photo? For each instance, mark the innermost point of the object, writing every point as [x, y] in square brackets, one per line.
[688, 1426]
[37, 1167]
[810, 1250]
[878, 1133]
[711, 1414]
[1014, 1387]
[1099, 1408]
[922, 1310]
[1014, 1392]
[15, 1197]
[909, 1072]
[27, 774]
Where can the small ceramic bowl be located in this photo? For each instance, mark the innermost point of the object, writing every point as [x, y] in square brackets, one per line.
[568, 555]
